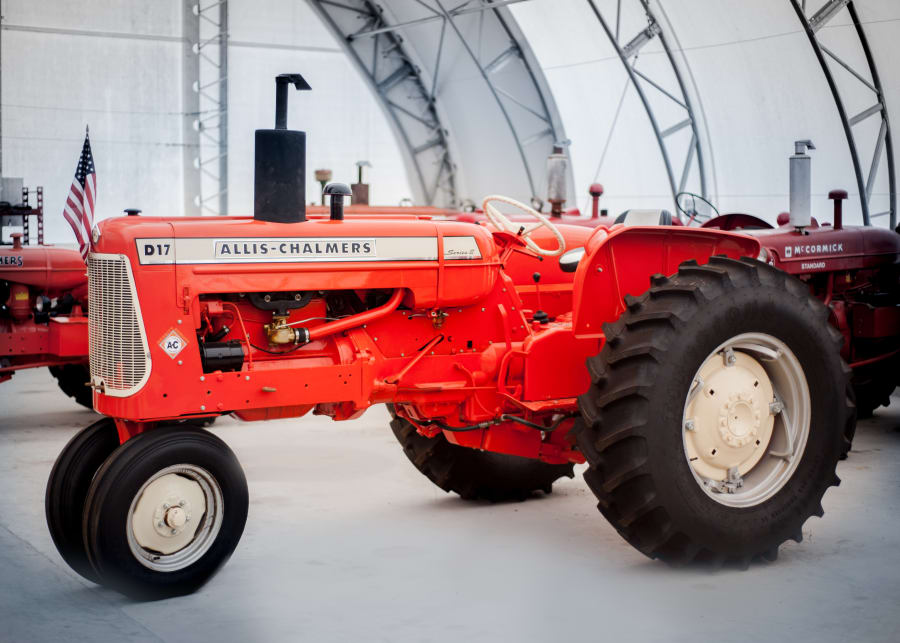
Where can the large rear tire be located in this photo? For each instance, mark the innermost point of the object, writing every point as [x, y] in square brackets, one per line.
[473, 474]
[67, 490]
[73, 381]
[718, 410]
[164, 512]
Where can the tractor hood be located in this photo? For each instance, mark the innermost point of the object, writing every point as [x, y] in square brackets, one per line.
[822, 248]
[443, 262]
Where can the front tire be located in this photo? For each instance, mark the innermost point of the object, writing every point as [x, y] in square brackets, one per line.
[73, 381]
[165, 511]
[669, 471]
[67, 490]
[874, 385]
[473, 474]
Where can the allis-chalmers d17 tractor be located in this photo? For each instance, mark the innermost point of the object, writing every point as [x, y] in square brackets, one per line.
[708, 397]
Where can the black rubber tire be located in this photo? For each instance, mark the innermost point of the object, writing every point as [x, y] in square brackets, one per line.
[73, 380]
[67, 490]
[200, 423]
[873, 386]
[117, 483]
[631, 431]
[473, 474]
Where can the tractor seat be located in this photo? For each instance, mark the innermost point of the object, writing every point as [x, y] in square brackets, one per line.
[644, 217]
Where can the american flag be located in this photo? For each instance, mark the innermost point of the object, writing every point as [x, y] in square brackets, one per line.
[79, 210]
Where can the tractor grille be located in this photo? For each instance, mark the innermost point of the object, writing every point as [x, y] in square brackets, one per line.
[120, 358]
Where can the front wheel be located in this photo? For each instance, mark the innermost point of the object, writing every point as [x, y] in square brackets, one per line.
[74, 381]
[165, 511]
[874, 384]
[67, 488]
[717, 414]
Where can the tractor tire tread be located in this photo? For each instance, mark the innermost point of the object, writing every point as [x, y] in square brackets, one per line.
[614, 428]
[473, 474]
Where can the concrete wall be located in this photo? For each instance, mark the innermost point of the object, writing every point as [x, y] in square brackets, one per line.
[117, 66]
[64, 67]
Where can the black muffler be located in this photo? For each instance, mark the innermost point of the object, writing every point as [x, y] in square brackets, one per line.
[279, 191]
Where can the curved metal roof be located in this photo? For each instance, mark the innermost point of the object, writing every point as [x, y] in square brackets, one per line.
[462, 90]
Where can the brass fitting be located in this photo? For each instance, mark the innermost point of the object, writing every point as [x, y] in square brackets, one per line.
[278, 332]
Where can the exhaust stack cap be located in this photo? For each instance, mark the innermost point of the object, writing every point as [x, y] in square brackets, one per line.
[800, 180]
[280, 174]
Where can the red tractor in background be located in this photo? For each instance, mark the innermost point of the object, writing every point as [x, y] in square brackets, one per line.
[43, 318]
[704, 389]
[853, 270]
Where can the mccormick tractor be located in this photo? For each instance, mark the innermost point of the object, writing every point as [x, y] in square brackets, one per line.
[43, 318]
[705, 389]
[853, 270]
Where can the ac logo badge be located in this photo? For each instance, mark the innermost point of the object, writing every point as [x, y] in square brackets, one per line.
[173, 343]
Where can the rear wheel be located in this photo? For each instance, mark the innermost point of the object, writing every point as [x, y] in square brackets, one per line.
[73, 381]
[67, 489]
[473, 474]
[165, 511]
[717, 414]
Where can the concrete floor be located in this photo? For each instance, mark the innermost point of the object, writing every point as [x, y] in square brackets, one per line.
[347, 542]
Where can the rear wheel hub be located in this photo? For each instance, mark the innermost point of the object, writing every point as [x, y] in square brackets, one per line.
[730, 415]
[746, 419]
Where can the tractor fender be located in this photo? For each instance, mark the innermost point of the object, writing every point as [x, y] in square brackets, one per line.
[621, 260]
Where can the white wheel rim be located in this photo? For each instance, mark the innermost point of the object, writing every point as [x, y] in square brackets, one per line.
[746, 420]
[174, 517]
[502, 222]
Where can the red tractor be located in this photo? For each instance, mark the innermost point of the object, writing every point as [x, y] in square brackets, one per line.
[853, 270]
[705, 389]
[43, 319]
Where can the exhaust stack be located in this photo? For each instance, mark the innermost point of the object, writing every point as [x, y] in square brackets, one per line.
[800, 209]
[279, 191]
[557, 168]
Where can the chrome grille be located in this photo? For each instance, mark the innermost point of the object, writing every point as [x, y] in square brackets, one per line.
[120, 358]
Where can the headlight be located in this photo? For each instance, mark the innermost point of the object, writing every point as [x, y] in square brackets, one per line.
[43, 303]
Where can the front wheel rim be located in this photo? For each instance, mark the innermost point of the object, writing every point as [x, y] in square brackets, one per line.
[746, 420]
[174, 518]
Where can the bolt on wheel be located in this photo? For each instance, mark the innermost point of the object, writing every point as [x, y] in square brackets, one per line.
[716, 415]
[182, 499]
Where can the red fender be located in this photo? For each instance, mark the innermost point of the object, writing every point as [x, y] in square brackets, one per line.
[620, 262]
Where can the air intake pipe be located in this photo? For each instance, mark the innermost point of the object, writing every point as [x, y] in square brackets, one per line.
[279, 191]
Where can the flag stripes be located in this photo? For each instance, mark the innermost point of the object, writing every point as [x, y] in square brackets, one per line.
[79, 208]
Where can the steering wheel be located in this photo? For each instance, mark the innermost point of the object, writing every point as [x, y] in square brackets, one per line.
[694, 207]
[523, 232]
